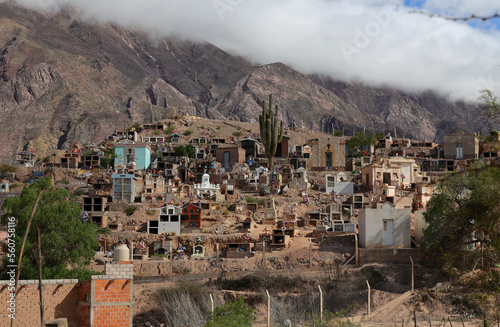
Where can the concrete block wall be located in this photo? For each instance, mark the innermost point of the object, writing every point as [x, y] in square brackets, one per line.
[122, 270]
[60, 299]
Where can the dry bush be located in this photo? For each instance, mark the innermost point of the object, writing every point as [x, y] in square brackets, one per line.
[186, 304]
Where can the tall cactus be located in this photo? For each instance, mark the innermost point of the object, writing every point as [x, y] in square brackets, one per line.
[271, 133]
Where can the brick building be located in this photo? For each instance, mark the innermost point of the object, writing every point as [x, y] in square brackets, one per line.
[229, 156]
[191, 216]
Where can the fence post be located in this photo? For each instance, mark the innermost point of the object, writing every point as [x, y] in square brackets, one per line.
[217, 254]
[412, 275]
[171, 265]
[268, 309]
[310, 255]
[357, 250]
[320, 304]
[264, 254]
[212, 300]
[369, 289]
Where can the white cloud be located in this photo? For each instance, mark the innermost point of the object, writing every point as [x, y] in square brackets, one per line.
[378, 42]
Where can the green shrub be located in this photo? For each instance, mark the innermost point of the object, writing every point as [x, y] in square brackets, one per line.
[188, 132]
[170, 129]
[191, 151]
[180, 151]
[232, 314]
[238, 134]
[373, 275]
[330, 319]
[130, 210]
[245, 283]
[251, 199]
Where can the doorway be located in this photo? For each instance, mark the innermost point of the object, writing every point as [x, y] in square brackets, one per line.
[388, 236]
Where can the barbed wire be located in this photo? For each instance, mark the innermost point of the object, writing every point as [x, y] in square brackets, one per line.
[471, 17]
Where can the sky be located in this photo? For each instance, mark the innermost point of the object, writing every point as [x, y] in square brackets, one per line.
[403, 44]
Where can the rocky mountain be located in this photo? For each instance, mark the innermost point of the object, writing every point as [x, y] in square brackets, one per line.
[63, 79]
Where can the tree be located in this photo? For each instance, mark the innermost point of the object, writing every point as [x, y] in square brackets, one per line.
[232, 314]
[359, 143]
[463, 219]
[66, 241]
[491, 103]
[271, 133]
[180, 151]
[191, 151]
[108, 157]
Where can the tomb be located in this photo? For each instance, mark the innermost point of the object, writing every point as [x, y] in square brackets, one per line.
[163, 247]
[239, 250]
[4, 187]
[198, 251]
[168, 221]
[270, 215]
[206, 187]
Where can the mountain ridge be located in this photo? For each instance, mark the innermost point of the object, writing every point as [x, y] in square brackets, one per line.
[63, 79]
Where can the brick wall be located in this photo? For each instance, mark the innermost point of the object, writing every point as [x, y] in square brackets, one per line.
[59, 295]
[107, 300]
[83, 307]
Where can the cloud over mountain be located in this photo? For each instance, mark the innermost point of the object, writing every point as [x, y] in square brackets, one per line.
[376, 42]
